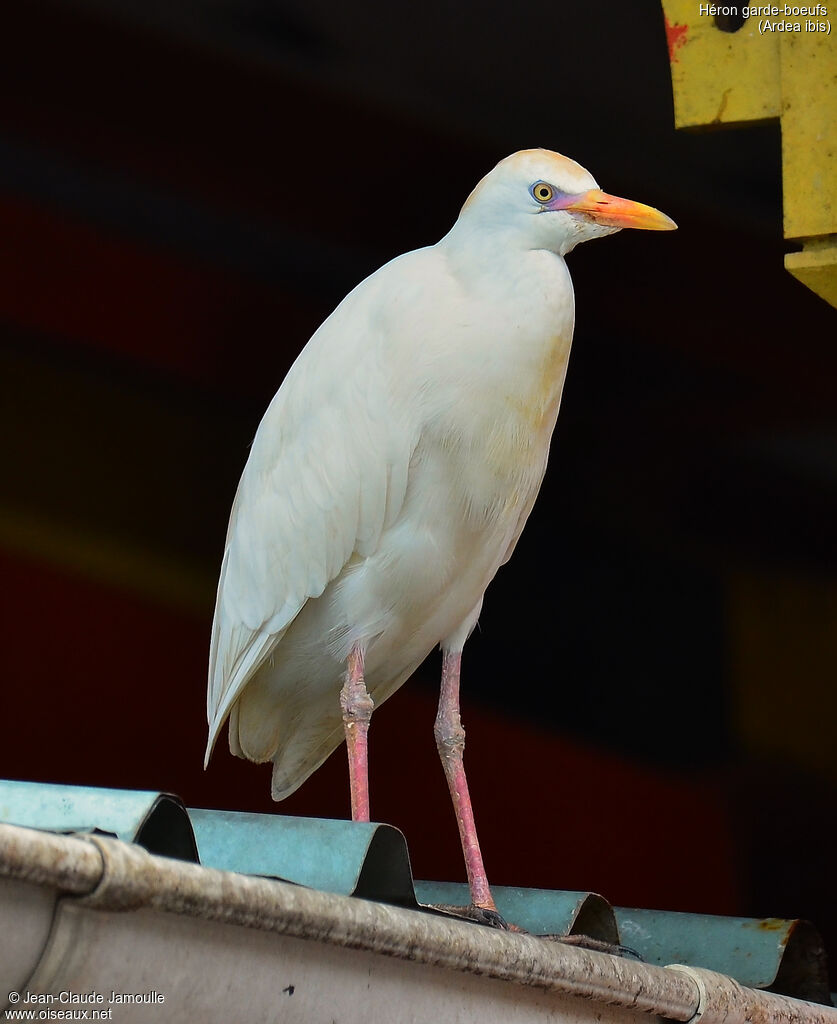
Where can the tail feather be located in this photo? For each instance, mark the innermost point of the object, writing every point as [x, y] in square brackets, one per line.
[300, 758]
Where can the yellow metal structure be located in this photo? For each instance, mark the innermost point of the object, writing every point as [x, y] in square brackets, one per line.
[782, 65]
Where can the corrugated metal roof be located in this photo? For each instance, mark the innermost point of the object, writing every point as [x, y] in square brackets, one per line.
[372, 861]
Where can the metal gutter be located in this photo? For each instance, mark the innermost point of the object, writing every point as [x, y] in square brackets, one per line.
[371, 861]
[106, 875]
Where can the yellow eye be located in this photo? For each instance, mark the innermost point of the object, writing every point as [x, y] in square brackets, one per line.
[542, 192]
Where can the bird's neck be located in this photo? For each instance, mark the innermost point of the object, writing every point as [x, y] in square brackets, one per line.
[524, 303]
[483, 252]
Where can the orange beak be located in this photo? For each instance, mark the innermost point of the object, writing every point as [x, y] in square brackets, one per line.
[618, 213]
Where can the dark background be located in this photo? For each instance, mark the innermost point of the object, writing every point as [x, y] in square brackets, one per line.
[650, 697]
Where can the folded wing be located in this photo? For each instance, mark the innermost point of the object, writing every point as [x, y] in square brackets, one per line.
[327, 473]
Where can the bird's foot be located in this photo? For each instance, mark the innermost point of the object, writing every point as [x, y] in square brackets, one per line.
[493, 919]
[597, 945]
[479, 915]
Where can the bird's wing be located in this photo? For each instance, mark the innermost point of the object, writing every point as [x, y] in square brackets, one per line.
[327, 473]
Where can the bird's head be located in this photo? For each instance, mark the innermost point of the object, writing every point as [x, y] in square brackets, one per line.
[547, 201]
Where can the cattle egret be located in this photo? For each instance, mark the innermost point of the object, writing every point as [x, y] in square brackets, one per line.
[392, 475]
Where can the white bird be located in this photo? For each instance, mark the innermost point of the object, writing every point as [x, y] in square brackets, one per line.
[392, 475]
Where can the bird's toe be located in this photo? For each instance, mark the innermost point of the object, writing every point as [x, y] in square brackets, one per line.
[479, 915]
[597, 945]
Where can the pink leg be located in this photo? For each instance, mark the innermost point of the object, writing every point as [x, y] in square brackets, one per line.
[357, 710]
[450, 740]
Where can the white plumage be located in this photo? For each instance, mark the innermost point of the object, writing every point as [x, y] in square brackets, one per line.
[396, 466]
